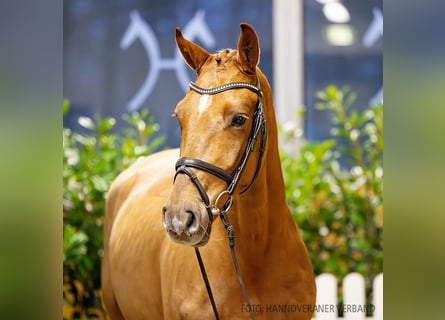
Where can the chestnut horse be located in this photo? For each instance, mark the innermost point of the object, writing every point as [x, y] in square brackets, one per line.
[229, 165]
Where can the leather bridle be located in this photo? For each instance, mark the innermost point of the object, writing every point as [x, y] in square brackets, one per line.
[185, 165]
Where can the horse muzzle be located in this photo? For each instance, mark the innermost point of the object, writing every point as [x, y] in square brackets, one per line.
[187, 222]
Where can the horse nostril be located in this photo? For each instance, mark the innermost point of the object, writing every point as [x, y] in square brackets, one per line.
[167, 225]
[190, 219]
[192, 222]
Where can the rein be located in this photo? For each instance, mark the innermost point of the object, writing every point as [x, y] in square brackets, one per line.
[184, 165]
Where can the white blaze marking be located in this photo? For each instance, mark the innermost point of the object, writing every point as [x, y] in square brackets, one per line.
[204, 102]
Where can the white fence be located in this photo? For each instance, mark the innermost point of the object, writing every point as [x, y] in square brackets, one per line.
[354, 304]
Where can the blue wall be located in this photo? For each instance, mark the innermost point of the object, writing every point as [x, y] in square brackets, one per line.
[101, 77]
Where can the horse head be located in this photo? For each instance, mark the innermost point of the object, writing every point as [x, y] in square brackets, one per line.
[216, 127]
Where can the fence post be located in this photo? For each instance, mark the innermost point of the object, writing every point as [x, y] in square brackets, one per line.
[326, 297]
[377, 296]
[354, 300]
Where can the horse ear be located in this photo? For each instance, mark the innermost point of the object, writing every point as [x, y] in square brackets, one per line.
[194, 55]
[248, 48]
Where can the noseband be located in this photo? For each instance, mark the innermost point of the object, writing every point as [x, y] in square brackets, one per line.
[185, 165]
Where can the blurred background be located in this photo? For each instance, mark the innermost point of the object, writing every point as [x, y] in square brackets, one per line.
[122, 78]
[116, 54]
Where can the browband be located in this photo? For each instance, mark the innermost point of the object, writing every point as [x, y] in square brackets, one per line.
[225, 87]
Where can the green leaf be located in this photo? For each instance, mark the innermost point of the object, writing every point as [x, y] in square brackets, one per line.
[99, 183]
[105, 125]
[332, 93]
[65, 107]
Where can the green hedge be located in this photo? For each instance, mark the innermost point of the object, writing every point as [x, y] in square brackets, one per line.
[339, 208]
[91, 161]
[339, 211]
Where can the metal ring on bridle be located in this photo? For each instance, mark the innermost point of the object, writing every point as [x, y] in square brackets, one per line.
[227, 204]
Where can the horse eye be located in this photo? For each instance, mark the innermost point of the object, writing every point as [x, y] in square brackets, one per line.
[238, 120]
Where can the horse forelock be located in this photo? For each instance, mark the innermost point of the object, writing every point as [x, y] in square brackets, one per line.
[225, 57]
[223, 66]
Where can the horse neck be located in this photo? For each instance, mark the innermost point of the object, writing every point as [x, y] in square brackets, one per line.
[262, 214]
